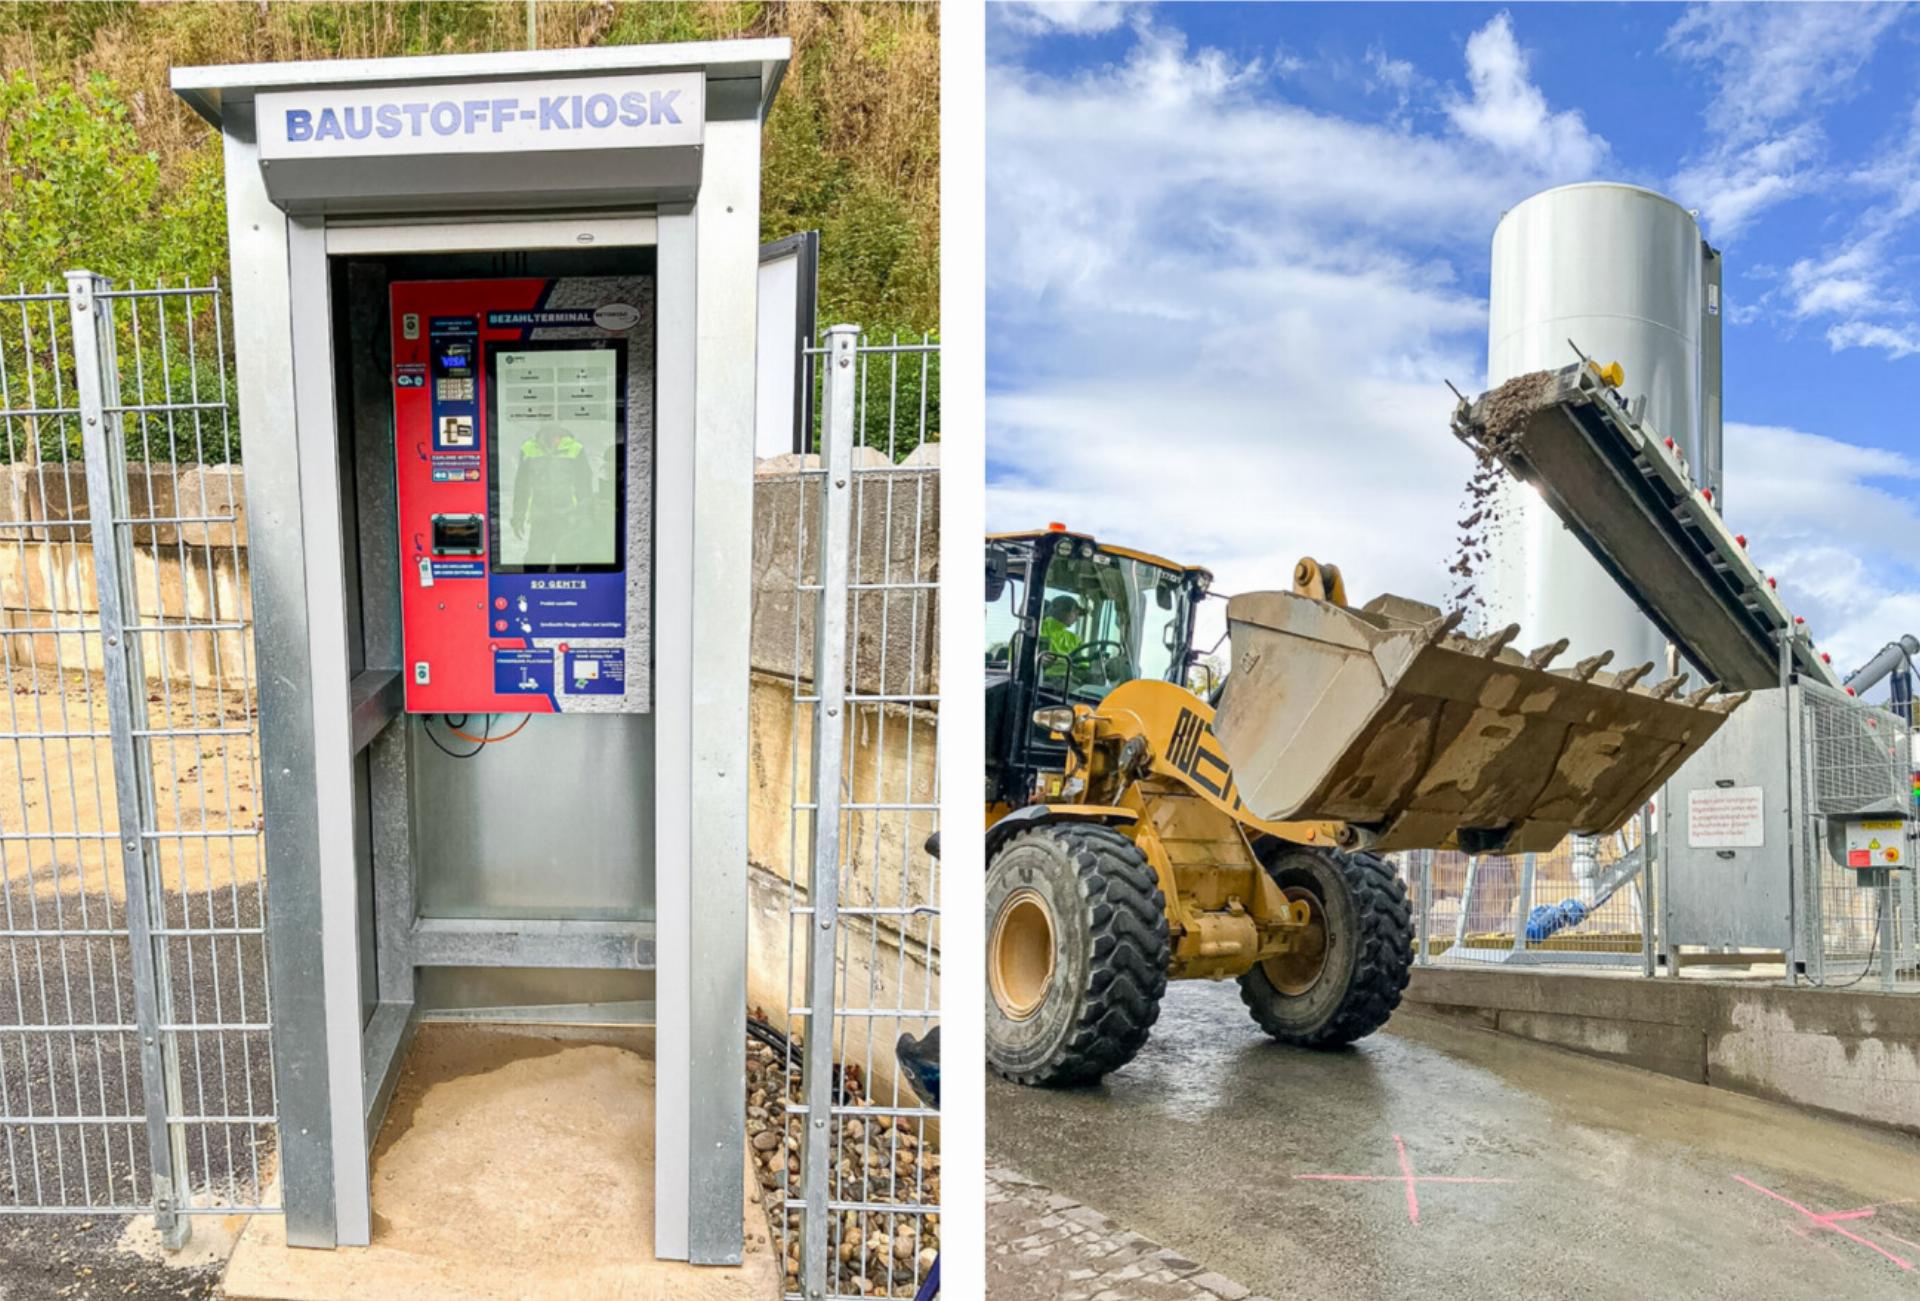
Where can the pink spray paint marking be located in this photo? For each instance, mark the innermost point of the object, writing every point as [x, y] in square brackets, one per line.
[1831, 1221]
[1406, 1172]
[1406, 1177]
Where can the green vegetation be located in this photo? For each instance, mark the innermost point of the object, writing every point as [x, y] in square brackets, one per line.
[105, 168]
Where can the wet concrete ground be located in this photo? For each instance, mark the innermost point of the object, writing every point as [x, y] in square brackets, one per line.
[1603, 1181]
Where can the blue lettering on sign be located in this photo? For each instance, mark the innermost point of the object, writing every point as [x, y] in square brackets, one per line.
[414, 120]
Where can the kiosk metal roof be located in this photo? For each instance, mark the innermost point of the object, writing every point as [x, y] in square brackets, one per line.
[213, 89]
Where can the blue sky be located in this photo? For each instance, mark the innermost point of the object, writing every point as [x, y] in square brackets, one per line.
[1234, 249]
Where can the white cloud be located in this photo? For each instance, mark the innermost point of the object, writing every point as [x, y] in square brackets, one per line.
[1732, 185]
[1860, 280]
[1773, 67]
[1773, 62]
[1510, 113]
[1071, 17]
[1222, 321]
[1821, 516]
[1895, 341]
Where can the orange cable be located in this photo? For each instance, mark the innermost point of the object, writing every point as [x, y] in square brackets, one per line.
[488, 740]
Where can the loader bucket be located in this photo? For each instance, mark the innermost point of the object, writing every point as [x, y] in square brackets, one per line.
[1385, 719]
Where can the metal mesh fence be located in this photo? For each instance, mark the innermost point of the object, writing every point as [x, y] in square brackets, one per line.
[1581, 905]
[1586, 904]
[1859, 778]
[860, 1190]
[134, 1061]
[71, 1071]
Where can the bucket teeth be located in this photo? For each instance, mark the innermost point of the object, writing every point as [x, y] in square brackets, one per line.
[1700, 697]
[1586, 668]
[1542, 656]
[1448, 624]
[1488, 648]
[1631, 676]
[1727, 704]
[1663, 690]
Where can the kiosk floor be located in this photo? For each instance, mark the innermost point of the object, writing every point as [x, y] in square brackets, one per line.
[513, 1163]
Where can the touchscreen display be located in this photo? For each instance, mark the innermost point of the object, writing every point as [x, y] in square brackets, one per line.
[556, 450]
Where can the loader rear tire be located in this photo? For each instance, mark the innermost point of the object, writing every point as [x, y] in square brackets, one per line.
[1077, 954]
[1348, 988]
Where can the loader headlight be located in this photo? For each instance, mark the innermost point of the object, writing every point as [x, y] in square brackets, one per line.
[1057, 718]
[1201, 582]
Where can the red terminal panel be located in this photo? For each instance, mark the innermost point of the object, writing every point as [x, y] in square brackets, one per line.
[515, 594]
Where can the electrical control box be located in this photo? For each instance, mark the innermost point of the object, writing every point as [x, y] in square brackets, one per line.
[523, 419]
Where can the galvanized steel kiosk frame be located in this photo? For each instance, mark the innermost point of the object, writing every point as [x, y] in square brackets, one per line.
[344, 826]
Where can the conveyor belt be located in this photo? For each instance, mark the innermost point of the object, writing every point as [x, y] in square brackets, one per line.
[1625, 493]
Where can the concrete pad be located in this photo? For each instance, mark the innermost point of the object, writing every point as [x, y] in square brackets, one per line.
[514, 1163]
[1464, 1164]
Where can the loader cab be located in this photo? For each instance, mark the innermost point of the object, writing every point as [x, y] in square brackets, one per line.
[1067, 621]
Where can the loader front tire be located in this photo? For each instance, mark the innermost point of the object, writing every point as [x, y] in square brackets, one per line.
[1347, 980]
[1077, 954]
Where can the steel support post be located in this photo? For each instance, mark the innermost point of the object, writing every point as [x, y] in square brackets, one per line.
[1885, 913]
[1524, 906]
[97, 382]
[1466, 905]
[1425, 885]
[1646, 889]
[829, 730]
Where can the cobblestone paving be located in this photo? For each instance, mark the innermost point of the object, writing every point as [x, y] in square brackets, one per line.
[1045, 1247]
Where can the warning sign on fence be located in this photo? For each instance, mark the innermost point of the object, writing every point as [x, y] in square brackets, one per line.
[1726, 817]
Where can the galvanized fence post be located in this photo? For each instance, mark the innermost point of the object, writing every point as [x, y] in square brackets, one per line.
[1468, 889]
[829, 731]
[1524, 907]
[97, 382]
[1648, 905]
[1425, 957]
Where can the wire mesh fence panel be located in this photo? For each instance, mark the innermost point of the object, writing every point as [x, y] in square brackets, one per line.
[1859, 779]
[1582, 904]
[71, 1075]
[181, 538]
[134, 1069]
[863, 1186]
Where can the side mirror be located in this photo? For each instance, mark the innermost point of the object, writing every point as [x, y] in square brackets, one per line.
[996, 573]
[1202, 681]
[1163, 595]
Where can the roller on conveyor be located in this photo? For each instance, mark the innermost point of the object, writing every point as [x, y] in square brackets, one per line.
[1626, 493]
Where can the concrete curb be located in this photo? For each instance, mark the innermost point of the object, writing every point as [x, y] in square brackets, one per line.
[1853, 1054]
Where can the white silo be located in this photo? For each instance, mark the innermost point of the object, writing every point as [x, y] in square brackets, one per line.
[1623, 273]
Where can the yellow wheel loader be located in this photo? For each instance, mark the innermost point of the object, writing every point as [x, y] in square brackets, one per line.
[1146, 824]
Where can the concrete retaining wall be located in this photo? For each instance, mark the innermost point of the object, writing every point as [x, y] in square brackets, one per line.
[891, 749]
[1853, 1054]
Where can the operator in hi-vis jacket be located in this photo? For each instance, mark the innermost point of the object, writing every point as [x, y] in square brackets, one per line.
[552, 490]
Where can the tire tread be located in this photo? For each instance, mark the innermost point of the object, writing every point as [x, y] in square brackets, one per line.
[1381, 968]
[1127, 965]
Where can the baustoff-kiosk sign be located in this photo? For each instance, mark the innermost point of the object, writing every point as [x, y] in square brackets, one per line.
[575, 113]
[496, 329]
